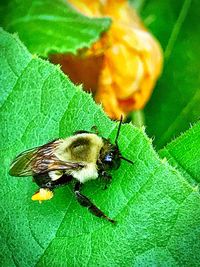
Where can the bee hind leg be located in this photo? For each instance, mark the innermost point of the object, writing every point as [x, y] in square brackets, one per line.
[47, 185]
[45, 192]
[86, 202]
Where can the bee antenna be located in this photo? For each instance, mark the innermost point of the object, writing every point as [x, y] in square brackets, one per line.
[118, 131]
[128, 160]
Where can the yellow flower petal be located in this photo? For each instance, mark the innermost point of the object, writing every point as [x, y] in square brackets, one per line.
[123, 66]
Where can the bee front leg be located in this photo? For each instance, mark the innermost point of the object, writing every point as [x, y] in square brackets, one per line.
[86, 202]
[107, 178]
[94, 129]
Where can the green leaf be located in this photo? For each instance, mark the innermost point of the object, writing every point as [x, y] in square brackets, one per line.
[184, 153]
[175, 101]
[157, 210]
[51, 26]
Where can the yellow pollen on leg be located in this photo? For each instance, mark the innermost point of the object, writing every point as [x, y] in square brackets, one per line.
[42, 194]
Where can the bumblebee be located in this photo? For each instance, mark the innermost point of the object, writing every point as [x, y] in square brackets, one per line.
[83, 156]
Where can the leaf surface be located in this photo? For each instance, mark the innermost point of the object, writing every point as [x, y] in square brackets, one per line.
[47, 26]
[157, 210]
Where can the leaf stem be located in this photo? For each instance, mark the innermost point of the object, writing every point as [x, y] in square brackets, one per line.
[176, 28]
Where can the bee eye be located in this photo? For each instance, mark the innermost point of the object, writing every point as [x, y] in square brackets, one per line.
[111, 161]
[108, 157]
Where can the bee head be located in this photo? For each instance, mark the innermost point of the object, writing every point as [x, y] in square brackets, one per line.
[111, 156]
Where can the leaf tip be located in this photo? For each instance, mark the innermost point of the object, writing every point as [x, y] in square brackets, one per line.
[151, 140]
[164, 160]
[15, 35]
[196, 188]
[79, 87]
[143, 128]
[34, 56]
[58, 67]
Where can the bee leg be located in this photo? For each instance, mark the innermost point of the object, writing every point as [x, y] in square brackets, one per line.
[47, 185]
[44, 181]
[94, 129]
[86, 202]
[107, 178]
[42, 194]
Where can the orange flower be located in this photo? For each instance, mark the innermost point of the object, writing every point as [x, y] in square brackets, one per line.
[123, 66]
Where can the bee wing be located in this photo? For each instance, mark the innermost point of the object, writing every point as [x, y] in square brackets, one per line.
[40, 160]
[21, 165]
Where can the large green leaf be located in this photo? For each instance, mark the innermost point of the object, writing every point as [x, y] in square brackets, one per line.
[184, 153]
[175, 101]
[157, 210]
[47, 26]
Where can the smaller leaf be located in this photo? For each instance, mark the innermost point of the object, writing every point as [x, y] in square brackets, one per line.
[52, 26]
[174, 104]
[184, 153]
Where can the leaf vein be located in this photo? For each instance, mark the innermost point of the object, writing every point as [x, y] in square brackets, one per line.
[16, 83]
[177, 28]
